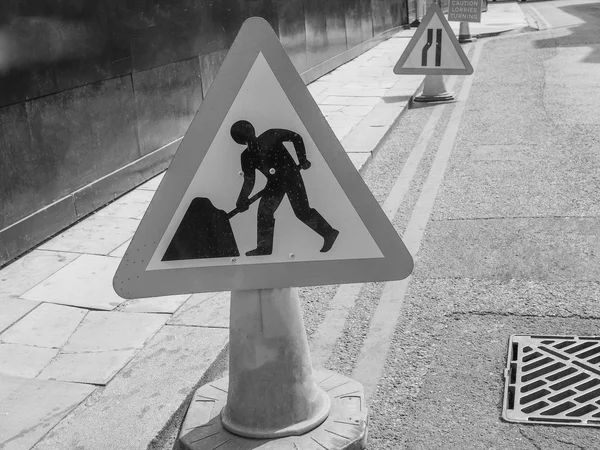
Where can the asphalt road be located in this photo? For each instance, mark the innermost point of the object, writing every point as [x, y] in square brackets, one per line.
[511, 245]
[496, 196]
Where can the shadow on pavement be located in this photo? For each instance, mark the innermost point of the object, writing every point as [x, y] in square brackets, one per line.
[583, 35]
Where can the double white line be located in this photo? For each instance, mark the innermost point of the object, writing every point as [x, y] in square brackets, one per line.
[375, 348]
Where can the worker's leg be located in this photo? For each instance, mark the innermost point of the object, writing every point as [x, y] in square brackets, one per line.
[298, 198]
[266, 222]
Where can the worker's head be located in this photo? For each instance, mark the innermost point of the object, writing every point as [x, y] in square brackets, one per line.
[242, 132]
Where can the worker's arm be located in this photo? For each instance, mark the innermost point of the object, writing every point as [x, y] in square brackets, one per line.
[249, 178]
[296, 139]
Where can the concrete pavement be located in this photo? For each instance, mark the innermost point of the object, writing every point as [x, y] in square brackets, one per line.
[81, 367]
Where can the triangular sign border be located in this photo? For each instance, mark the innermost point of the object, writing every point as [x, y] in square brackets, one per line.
[133, 281]
[400, 70]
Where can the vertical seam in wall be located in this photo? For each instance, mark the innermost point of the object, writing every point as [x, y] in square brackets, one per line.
[137, 119]
[306, 39]
[201, 83]
[372, 20]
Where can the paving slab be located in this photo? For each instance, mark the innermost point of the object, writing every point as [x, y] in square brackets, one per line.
[97, 234]
[359, 111]
[315, 88]
[329, 109]
[30, 408]
[359, 159]
[12, 309]
[204, 310]
[92, 368]
[364, 138]
[131, 206]
[103, 331]
[142, 397]
[23, 274]
[384, 114]
[168, 304]
[347, 100]
[153, 183]
[23, 360]
[49, 326]
[342, 121]
[341, 132]
[461, 398]
[119, 252]
[353, 91]
[86, 282]
[550, 249]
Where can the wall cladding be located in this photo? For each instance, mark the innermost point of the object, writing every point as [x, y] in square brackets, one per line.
[95, 95]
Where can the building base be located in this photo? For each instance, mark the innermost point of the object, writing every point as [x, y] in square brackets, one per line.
[344, 428]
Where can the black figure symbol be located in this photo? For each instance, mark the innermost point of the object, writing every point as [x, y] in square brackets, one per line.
[267, 154]
[205, 231]
[427, 46]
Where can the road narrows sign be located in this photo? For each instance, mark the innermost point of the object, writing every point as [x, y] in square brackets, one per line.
[434, 49]
[260, 193]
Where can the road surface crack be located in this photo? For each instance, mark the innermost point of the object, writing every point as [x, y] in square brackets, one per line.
[571, 443]
[531, 440]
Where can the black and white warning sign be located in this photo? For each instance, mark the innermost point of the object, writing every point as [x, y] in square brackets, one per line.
[434, 49]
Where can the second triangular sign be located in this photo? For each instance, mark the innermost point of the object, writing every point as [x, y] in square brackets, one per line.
[260, 193]
[434, 49]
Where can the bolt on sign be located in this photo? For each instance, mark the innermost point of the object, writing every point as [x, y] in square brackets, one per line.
[464, 10]
[260, 193]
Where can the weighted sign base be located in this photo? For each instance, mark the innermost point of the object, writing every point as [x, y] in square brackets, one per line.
[272, 399]
[344, 428]
[464, 33]
[434, 90]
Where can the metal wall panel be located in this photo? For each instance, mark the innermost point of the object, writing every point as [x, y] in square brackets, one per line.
[90, 86]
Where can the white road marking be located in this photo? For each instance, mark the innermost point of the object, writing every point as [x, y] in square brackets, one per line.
[323, 340]
[372, 357]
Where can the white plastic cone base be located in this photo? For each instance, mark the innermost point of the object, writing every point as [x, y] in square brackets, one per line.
[345, 428]
[434, 90]
[272, 391]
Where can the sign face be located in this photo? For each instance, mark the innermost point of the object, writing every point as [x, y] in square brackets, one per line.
[465, 10]
[260, 193]
[434, 49]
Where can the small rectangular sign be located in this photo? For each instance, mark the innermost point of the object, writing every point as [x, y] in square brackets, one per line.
[464, 10]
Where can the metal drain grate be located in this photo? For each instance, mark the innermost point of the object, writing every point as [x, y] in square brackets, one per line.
[553, 380]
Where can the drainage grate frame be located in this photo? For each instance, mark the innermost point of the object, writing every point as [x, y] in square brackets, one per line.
[552, 380]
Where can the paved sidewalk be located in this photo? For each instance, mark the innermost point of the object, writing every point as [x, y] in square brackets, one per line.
[83, 368]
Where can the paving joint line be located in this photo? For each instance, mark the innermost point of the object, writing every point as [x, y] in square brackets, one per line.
[217, 327]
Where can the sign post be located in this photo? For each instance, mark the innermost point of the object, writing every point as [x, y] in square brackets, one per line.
[260, 198]
[434, 51]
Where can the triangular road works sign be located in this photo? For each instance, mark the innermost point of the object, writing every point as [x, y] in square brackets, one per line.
[434, 49]
[260, 193]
